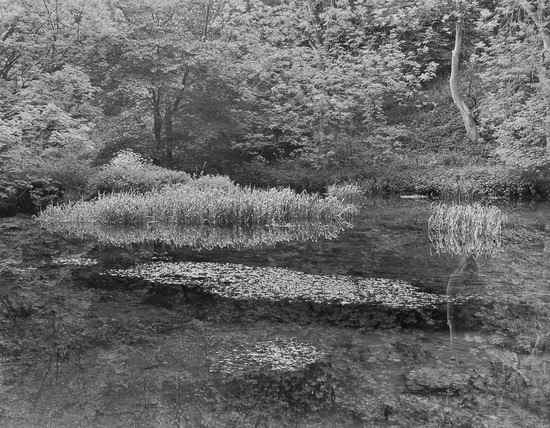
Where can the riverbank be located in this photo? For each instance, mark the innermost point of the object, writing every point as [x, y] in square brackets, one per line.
[410, 177]
[437, 182]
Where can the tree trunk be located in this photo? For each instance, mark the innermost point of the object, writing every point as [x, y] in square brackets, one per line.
[206, 21]
[467, 116]
[157, 118]
[537, 16]
[169, 136]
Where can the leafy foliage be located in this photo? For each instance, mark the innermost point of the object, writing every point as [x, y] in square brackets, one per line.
[284, 93]
[128, 171]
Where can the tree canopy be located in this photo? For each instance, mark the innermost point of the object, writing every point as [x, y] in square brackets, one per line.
[215, 83]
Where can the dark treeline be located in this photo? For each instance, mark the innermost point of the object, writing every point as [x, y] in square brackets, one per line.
[301, 93]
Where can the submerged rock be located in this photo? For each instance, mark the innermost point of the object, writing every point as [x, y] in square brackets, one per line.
[284, 371]
[258, 292]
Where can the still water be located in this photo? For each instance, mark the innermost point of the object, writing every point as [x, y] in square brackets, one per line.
[171, 361]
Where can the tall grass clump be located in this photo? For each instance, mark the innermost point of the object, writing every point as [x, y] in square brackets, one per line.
[472, 229]
[346, 192]
[129, 171]
[195, 203]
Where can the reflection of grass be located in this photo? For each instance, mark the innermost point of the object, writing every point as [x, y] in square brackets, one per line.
[193, 204]
[201, 237]
[472, 229]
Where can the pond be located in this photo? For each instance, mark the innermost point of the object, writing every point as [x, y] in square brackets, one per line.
[366, 324]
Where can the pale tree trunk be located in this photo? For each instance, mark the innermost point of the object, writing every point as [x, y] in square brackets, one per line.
[538, 18]
[467, 116]
[206, 21]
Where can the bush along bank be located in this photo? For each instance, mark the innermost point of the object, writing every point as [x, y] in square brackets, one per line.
[408, 177]
[28, 196]
[464, 183]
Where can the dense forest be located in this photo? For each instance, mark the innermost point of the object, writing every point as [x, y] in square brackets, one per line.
[274, 213]
[398, 95]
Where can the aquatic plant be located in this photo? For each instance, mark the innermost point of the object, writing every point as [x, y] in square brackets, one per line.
[472, 229]
[272, 355]
[346, 192]
[278, 371]
[246, 283]
[195, 204]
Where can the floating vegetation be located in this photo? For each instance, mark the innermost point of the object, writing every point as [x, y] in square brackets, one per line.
[74, 261]
[240, 282]
[281, 371]
[199, 203]
[472, 229]
[199, 237]
[273, 355]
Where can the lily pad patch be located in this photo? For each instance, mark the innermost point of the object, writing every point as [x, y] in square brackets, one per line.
[283, 371]
[242, 282]
[246, 292]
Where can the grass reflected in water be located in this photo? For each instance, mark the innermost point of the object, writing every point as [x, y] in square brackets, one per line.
[200, 237]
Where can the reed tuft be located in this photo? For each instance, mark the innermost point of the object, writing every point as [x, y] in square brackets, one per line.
[472, 229]
[203, 201]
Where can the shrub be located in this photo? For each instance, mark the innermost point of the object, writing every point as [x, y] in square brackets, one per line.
[128, 171]
[291, 173]
[27, 195]
[471, 229]
[193, 204]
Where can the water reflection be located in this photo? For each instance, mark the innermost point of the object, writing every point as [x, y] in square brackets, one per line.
[470, 236]
[202, 237]
[497, 371]
[463, 281]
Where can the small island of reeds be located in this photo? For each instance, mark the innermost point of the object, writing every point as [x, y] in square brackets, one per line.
[212, 201]
[466, 229]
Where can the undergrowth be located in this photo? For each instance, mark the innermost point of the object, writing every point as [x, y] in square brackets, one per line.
[129, 171]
